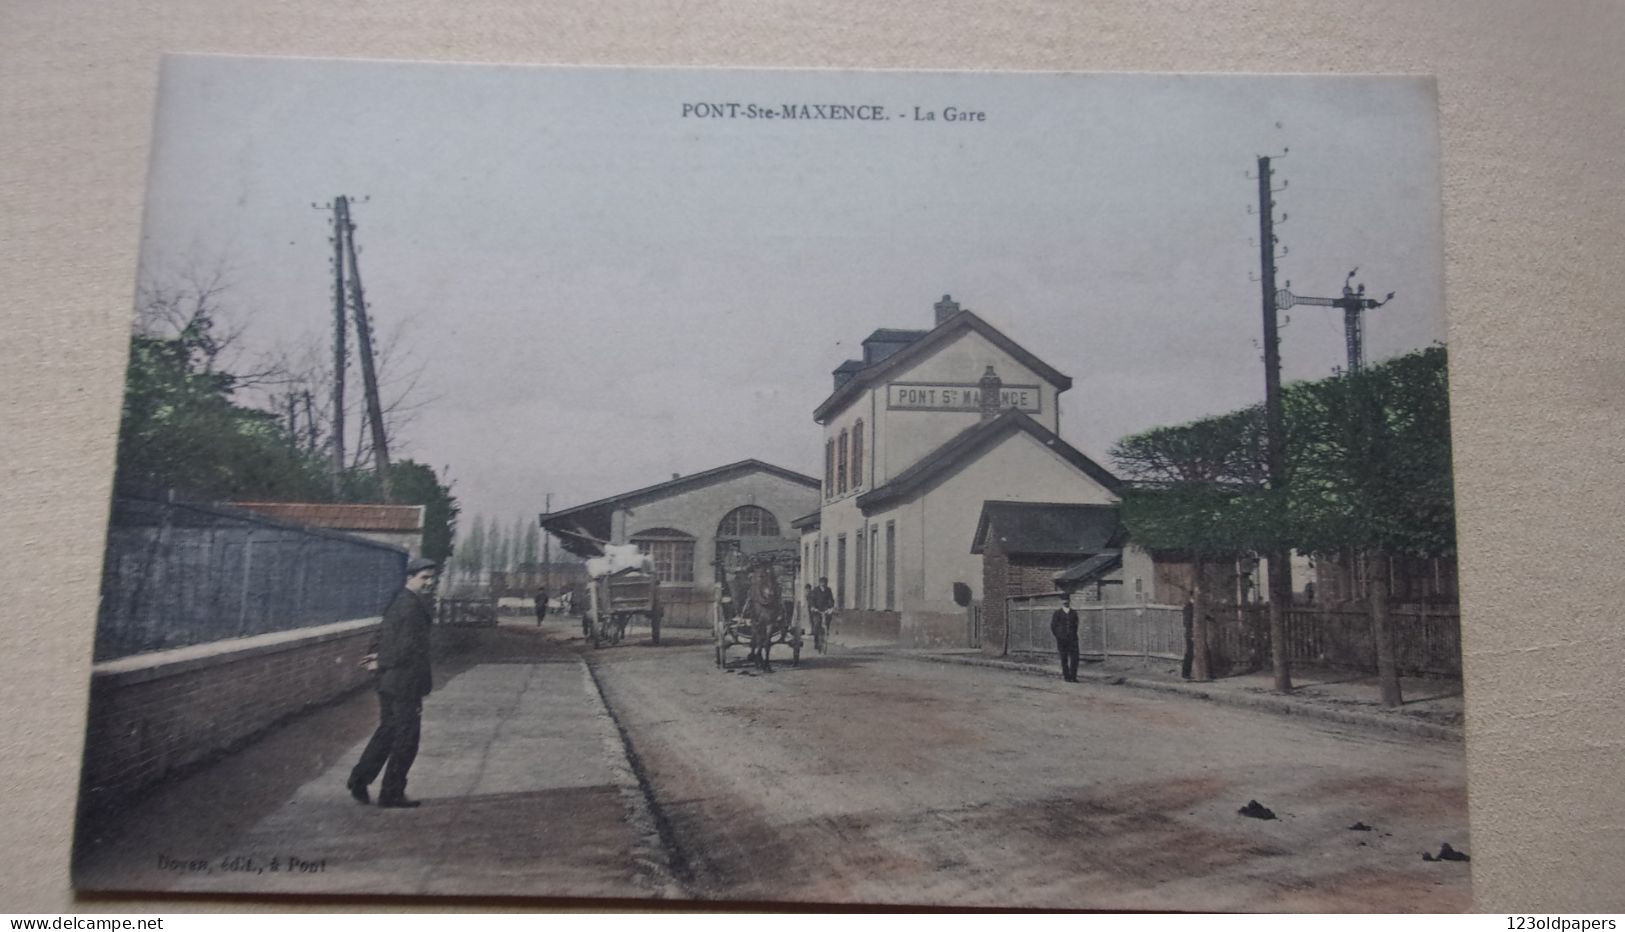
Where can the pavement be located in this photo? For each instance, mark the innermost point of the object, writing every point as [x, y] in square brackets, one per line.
[1432, 708]
[525, 784]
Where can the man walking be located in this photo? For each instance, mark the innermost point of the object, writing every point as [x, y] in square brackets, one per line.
[401, 658]
[1064, 625]
[541, 604]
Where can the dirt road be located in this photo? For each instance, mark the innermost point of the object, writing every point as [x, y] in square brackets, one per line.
[865, 779]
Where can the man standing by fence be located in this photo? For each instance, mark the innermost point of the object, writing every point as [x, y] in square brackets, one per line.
[401, 659]
[1064, 625]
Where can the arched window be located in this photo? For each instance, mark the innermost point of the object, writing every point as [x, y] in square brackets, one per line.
[749, 521]
[672, 550]
[857, 455]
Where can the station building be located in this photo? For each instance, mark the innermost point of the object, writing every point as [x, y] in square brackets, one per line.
[689, 523]
[921, 435]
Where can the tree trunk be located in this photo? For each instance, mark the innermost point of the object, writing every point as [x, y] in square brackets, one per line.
[1280, 600]
[1198, 607]
[1376, 563]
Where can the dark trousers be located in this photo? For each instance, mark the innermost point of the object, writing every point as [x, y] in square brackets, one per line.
[1069, 658]
[395, 742]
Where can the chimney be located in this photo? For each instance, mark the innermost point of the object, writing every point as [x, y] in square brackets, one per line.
[946, 308]
[990, 386]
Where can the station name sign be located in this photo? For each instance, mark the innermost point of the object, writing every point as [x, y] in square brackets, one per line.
[958, 396]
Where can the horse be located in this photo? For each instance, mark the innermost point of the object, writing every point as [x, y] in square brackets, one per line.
[765, 609]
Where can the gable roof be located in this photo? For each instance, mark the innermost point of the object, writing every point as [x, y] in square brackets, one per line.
[924, 346]
[341, 517]
[581, 527]
[1048, 528]
[972, 442]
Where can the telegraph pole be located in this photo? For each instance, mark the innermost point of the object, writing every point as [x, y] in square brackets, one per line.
[340, 349]
[363, 333]
[547, 546]
[1353, 304]
[1280, 583]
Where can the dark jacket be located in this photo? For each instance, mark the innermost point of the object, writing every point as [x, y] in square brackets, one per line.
[403, 647]
[1064, 624]
[821, 599]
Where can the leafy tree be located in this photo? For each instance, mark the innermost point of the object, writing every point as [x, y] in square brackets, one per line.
[181, 429]
[1369, 471]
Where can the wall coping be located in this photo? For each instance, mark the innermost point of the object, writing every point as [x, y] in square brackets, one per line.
[141, 668]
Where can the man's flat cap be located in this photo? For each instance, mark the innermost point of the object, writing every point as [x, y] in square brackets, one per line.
[419, 565]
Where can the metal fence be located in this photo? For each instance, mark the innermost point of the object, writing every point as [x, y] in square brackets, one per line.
[182, 573]
[1131, 630]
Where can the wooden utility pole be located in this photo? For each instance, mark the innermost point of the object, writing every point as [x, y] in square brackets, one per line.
[1280, 583]
[340, 351]
[547, 545]
[363, 334]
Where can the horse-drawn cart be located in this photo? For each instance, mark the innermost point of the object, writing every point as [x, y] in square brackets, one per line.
[756, 606]
[620, 589]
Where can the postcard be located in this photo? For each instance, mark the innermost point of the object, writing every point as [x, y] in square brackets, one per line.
[1005, 490]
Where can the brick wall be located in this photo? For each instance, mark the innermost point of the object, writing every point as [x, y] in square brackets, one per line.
[154, 714]
[1006, 576]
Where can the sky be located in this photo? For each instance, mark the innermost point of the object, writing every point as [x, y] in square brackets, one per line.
[600, 291]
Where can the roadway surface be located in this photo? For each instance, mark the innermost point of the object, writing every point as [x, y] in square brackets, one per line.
[862, 778]
[549, 769]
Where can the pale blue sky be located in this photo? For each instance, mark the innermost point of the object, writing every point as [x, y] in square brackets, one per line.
[605, 293]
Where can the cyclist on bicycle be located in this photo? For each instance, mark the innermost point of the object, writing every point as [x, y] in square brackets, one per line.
[821, 607]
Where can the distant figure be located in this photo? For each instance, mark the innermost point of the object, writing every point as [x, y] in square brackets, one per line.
[1190, 640]
[400, 657]
[541, 604]
[1309, 592]
[1064, 625]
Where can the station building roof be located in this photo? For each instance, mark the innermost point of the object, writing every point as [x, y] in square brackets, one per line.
[858, 379]
[973, 442]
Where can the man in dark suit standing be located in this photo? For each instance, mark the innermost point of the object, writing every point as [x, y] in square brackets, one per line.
[1064, 625]
[400, 656]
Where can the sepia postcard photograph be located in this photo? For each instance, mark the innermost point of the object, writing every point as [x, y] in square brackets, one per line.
[784, 488]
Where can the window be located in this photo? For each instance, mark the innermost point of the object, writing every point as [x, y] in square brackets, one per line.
[672, 551]
[858, 576]
[840, 570]
[874, 557]
[829, 468]
[749, 521]
[857, 455]
[840, 465]
[891, 565]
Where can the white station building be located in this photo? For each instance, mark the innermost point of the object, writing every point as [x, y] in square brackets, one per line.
[919, 434]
